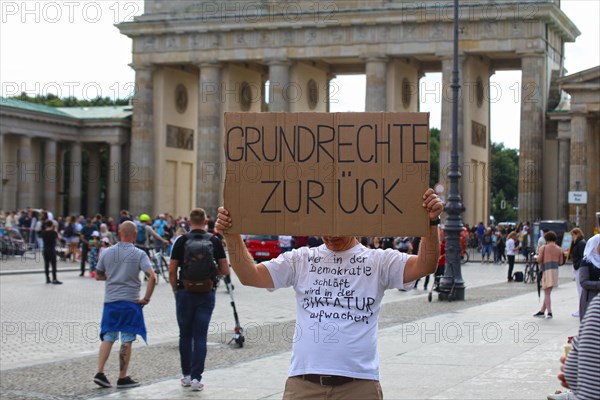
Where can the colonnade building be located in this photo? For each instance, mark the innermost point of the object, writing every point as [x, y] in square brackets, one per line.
[67, 160]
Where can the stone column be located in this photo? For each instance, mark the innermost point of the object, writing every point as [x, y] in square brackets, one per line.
[279, 79]
[122, 171]
[578, 169]
[376, 95]
[564, 164]
[93, 180]
[330, 77]
[263, 93]
[533, 114]
[50, 173]
[60, 181]
[75, 168]
[113, 205]
[27, 174]
[210, 139]
[141, 184]
[446, 129]
[594, 178]
[564, 160]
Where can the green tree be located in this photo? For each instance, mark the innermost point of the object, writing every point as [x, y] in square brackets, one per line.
[53, 100]
[505, 182]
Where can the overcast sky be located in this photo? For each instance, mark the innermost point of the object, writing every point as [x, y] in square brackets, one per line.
[72, 48]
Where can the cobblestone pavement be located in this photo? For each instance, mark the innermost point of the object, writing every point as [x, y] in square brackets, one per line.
[49, 333]
[31, 262]
[43, 323]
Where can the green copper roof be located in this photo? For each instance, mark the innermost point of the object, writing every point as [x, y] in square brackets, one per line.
[105, 112]
[25, 105]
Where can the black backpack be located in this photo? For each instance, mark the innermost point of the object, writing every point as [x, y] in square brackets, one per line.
[199, 269]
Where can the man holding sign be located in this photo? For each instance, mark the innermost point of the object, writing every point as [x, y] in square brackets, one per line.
[339, 287]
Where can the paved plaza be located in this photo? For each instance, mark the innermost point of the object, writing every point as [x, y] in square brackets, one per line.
[487, 347]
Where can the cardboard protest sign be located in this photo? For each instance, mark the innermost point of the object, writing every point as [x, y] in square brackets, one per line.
[335, 174]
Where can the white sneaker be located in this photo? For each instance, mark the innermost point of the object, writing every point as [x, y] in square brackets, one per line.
[575, 314]
[196, 385]
[185, 381]
[562, 396]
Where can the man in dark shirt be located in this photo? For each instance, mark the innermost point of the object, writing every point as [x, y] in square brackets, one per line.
[194, 310]
[50, 236]
[24, 224]
[123, 216]
[84, 237]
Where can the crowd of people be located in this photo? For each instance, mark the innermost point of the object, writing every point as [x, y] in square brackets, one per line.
[83, 239]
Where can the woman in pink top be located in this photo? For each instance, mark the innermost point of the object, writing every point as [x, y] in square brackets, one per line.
[549, 258]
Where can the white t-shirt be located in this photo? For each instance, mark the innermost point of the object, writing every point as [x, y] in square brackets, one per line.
[540, 243]
[510, 247]
[338, 302]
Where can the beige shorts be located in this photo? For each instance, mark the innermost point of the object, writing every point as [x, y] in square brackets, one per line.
[299, 389]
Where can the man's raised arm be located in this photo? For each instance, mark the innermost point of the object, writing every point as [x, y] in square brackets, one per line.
[425, 262]
[248, 272]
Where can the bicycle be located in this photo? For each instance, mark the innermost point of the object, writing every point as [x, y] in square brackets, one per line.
[530, 275]
[159, 264]
[464, 256]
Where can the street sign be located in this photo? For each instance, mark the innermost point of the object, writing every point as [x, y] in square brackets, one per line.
[577, 197]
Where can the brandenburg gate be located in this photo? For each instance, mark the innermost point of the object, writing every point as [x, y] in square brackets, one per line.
[195, 60]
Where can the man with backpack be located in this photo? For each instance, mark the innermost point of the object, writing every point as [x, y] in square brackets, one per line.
[197, 260]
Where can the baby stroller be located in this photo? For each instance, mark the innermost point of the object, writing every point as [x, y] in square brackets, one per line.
[12, 243]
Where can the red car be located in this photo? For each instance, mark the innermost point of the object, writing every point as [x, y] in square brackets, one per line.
[263, 247]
